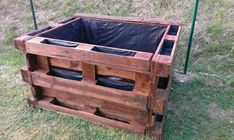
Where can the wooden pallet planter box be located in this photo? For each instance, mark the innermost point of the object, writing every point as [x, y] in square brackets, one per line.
[109, 70]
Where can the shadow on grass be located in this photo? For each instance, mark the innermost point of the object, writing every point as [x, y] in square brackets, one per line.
[189, 112]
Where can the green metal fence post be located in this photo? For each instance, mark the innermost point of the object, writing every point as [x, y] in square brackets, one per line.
[191, 35]
[33, 14]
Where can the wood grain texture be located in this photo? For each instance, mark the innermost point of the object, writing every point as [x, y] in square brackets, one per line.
[45, 103]
[101, 70]
[136, 64]
[127, 98]
[130, 110]
[109, 108]
[88, 72]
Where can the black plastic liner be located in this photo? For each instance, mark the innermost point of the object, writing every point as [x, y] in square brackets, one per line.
[40, 31]
[68, 74]
[173, 30]
[115, 82]
[158, 118]
[113, 51]
[163, 82]
[60, 43]
[129, 36]
[167, 47]
[107, 81]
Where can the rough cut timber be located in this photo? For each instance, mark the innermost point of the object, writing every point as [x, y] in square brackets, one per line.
[114, 71]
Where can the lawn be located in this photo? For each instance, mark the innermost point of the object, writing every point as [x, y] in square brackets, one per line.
[201, 103]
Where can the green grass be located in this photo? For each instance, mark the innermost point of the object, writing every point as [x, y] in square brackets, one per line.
[201, 107]
[9, 34]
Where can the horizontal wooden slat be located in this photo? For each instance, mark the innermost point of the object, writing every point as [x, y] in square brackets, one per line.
[110, 108]
[105, 70]
[68, 64]
[90, 117]
[137, 64]
[102, 70]
[127, 98]
[20, 42]
[128, 19]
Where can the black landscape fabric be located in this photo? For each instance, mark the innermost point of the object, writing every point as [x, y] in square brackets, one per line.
[107, 81]
[138, 37]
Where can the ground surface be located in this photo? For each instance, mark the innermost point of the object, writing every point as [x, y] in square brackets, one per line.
[201, 103]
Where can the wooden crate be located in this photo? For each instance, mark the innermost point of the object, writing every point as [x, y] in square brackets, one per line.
[145, 77]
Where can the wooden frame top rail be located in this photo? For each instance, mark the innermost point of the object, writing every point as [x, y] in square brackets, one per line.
[171, 56]
[138, 63]
[165, 62]
[128, 19]
[20, 41]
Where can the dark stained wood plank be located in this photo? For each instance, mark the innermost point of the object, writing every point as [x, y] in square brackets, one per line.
[137, 64]
[142, 83]
[83, 98]
[91, 117]
[88, 72]
[165, 63]
[112, 109]
[20, 42]
[127, 98]
[26, 75]
[160, 101]
[43, 62]
[102, 70]
[68, 64]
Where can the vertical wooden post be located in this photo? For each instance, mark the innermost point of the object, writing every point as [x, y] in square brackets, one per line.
[89, 74]
[142, 83]
[34, 62]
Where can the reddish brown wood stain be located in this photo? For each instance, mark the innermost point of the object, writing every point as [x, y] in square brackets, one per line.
[134, 111]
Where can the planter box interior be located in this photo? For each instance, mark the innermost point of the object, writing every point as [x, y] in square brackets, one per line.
[138, 37]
